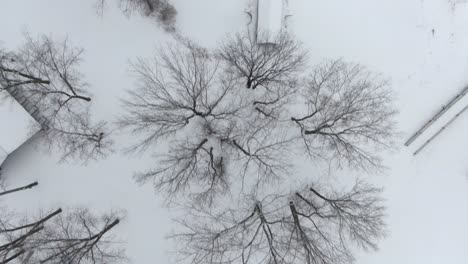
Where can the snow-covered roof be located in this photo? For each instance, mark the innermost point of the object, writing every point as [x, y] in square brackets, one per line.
[271, 19]
[3, 155]
[15, 128]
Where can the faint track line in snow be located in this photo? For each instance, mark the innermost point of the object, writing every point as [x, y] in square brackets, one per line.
[440, 131]
[455, 3]
[444, 109]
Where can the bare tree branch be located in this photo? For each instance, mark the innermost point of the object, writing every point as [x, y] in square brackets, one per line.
[160, 10]
[76, 237]
[19, 235]
[262, 66]
[310, 228]
[187, 97]
[349, 114]
[43, 75]
[26, 187]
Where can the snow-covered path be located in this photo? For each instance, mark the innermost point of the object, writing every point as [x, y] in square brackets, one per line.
[442, 122]
[420, 45]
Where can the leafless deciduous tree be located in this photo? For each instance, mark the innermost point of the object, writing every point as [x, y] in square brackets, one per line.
[14, 237]
[217, 130]
[75, 236]
[186, 96]
[45, 73]
[161, 10]
[308, 226]
[260, 65]
[26, 187]
[222, 137]
[348, 113]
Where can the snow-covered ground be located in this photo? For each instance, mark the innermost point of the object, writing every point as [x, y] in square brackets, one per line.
[421, 45]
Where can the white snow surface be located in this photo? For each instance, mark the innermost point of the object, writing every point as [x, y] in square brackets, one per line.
[3, 155]
[15, 128]
[419, 45]
[270, 19]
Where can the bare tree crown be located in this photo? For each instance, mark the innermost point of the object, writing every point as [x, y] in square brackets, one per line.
[225, 141]
[74, 236]
[262, 65]
[45, 73]
[160, 10]
[218, 131]
[186, 95]
[311, 228]
[348, 111]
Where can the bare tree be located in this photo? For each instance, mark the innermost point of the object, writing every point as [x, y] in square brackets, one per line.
[275, 102]
[313, 227]
[259, 65]
[26, 187]
[15, 236]
[348, 113]
[8, 241]
[218, 131]
[186, 95]
[160, 10]
[43, 75]
[76, 237]
[223, 138]
[10, 237]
